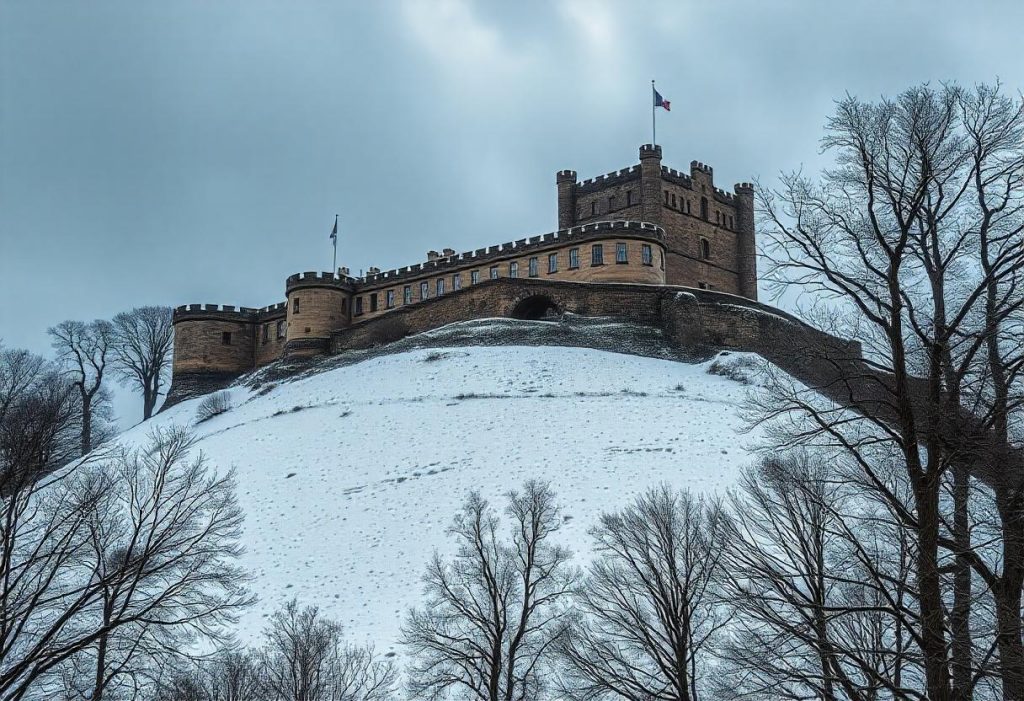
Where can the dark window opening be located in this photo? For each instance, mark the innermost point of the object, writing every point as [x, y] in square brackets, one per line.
[629, 197]
[373, 302]
[666, 198]
[611, 203]
[295, 306]
[673, 200]
[359, 305]
[705, 249]
[687, 206]
[704, 208]
[593, 208]
[266, 333]
[225, 338]
[308, 329]
[703, 286]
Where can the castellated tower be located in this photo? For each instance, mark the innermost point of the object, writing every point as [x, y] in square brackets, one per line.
[709, 233]
[318, 304]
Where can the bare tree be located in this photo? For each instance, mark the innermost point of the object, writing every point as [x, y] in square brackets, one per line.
[649, 611]
[111, 562]
[141, 346]
[916, 236]
[495, 610]
[306, 659]
[84, 350]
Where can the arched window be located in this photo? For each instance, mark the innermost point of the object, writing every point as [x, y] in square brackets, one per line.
[705, 249]
[704, 208]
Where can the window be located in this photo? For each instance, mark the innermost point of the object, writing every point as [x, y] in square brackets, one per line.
[407, 294]
[730, 221]
[597, 254]
[552, 263]
[718, 217]
[457, 281]
[295, 306]
[280, 329]
[440, 286]
[494, 272]
[574, 258]
[474, 277]
[620, 253]
[703, 286]
[687, 206]
[266, 333]
[705, 249]
[359, 305]
[533, 266]
[661, 257]
[704, 208]
[593, 208]
[645, 254]
[666, 198]
[673, 200]
[513, 269]
[629, 197]
[389, 299]
[225, 338]
[424, 290]
[373, 302]
[611, 203]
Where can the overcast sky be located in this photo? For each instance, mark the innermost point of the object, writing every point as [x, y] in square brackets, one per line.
[170, 152]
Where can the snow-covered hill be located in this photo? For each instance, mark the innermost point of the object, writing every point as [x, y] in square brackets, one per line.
[349, 477]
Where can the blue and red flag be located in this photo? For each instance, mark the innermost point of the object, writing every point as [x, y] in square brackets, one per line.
[659, 101]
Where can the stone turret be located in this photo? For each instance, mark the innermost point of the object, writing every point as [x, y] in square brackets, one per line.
[746, 244]
[566, 183]
[650, 183]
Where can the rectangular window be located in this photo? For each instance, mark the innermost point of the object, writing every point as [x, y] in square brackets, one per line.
[494, 272]
[730, 221]
[407, 294]
[673, 200]
[552, 262]
[666, 198]
[593, 208]
[280, 329]
[533, 266]
[474, 277]
[645, 254]
[359, 306]
[620, 253]
[457, 281]
[424, 290]
[513, 269]
[574, 258]
[687, 206]
[629, 197]
[266, 333]
[389, 299]
[611, 203]
[225, 338]
[295, 306]
[440, 286]
[373, 302]
[597, 254]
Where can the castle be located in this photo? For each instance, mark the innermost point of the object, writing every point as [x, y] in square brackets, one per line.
[621, 237]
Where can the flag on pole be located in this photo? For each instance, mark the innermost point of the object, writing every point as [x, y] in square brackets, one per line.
[659, 101]
[334, 231]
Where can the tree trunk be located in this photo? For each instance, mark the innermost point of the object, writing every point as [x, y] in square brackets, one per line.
[86, 423]
[1008, 598]
[960, 616]
[101, 664]
[933, 638]
[149, 395]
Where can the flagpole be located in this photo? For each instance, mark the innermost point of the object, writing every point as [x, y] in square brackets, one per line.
[335, 237]
[654, 125]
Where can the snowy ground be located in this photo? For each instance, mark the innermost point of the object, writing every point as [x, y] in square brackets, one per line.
[348, 478]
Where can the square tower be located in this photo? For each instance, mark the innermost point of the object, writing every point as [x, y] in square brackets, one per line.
[709, 233]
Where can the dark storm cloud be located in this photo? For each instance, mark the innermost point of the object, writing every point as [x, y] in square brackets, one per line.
[172, 152]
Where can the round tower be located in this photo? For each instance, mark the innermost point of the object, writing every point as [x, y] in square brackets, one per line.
[318, 305]
[566, 183]
[746, 240]
[650, 183]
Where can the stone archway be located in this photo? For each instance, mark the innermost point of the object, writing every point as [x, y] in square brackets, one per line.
[536, 308]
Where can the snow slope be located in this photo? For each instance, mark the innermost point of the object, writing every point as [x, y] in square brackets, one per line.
[349, 477]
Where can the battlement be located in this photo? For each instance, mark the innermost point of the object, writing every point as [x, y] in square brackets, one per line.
[584, 232]
[565, 176]
[313, 278]
[697, 165]
[744, 188]
[650, 151]
[677, 177]
[616, 177]
[227, 312]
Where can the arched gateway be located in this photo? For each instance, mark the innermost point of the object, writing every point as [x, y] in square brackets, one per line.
[536, 308]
